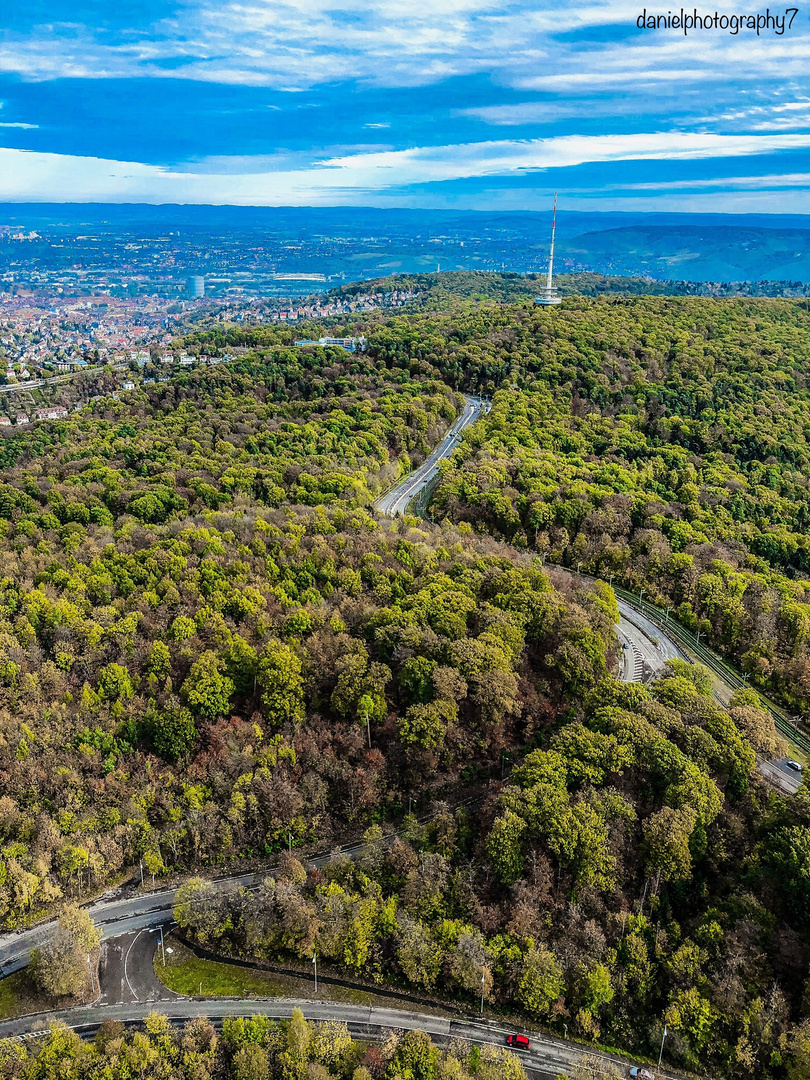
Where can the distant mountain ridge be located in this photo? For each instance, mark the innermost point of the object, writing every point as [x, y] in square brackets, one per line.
[370, 242]
[436, 289]
[696, 252]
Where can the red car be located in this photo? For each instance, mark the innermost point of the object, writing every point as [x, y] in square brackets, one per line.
[518, 1040]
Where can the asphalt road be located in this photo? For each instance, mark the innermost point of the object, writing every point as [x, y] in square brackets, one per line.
[546, 1058]
[126, 969]
[648, 648]
[113, 917]
[780, 774]
[396, 501]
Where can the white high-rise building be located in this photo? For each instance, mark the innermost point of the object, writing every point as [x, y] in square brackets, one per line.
[196, 287]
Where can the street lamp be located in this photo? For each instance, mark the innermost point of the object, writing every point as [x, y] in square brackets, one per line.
[641, 594]
[661, 1052]
[578, 565]
[315, 962]
[159, 930]
[483, 981]
[92, 980]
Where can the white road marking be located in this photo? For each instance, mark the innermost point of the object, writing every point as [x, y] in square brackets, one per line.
[126, 976]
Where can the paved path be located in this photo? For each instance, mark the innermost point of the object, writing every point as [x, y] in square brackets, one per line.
[396, 501]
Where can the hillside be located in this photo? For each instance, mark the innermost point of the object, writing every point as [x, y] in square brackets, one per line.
[211, 649]
[695, 252]
[445, 289]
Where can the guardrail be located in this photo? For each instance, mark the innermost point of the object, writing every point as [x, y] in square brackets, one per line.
[715, 663]
[712, 661]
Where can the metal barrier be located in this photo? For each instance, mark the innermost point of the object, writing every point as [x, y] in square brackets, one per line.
[711, 660]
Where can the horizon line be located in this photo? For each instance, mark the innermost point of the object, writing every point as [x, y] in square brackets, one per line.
[406, 209]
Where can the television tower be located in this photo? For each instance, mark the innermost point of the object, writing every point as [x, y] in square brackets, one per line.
[549, 296]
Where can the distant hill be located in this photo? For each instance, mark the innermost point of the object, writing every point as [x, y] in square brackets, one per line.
[695, 252]
[349, 243]
[434, 289]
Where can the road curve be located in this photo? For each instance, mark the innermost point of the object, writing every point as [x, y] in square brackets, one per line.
[648, 647]
[396, 501]
[547, 1058]
[113, 917]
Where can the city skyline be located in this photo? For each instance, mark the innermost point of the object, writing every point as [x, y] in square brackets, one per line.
[467, 104]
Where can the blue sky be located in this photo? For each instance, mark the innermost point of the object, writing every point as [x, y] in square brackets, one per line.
[452, 103]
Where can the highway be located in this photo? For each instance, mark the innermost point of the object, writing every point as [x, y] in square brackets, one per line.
[396, 500]
[648, 648]
[130, 920]
[781, 775]
[546, 1058]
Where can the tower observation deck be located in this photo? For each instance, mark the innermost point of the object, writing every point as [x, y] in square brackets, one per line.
[549, 295]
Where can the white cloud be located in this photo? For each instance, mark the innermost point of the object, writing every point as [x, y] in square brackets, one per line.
[771, 182]
[523, 112]
[354, 177]
[301, 43]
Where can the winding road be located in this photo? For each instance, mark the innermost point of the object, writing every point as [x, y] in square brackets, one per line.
[131, 921]
[547, 1057]
[397, 500]
[645, 648]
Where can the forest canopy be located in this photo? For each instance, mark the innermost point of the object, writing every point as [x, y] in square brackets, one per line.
[212, 649]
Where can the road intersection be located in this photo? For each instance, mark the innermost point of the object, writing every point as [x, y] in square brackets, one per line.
[131, 920]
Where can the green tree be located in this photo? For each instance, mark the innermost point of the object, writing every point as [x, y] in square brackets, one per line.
[425, 726]
[541, 980]
[295, 1057]
[282, 686]
[242, 664]
[787, 854]
[419, 955]
[251, 1062]
[505, 846]
[206, 689]
[692, 1015]
[114, 683]
[416, 680]
[416, 1058]
[79, 924]
[60, 966]
[159, 660]
[172, 732]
